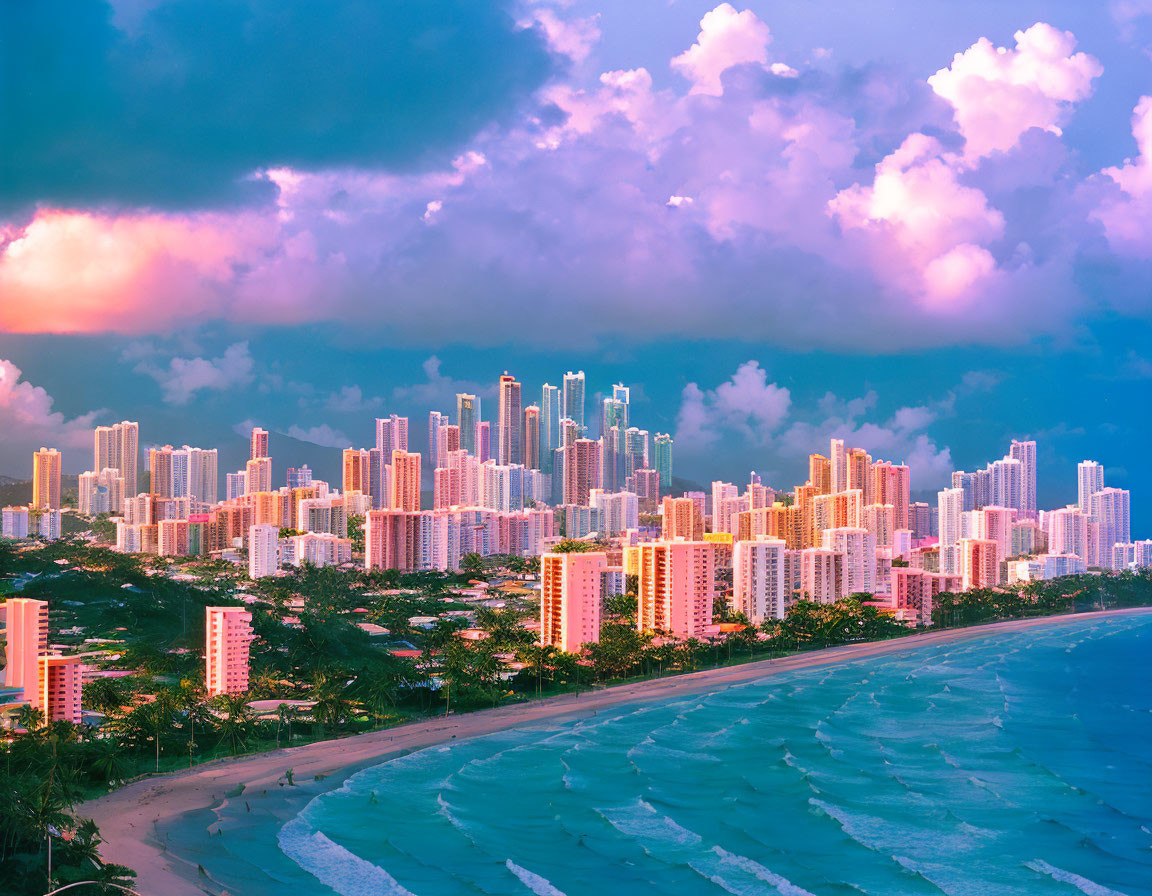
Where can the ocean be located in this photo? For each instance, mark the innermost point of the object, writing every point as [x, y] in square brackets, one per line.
[1018, 763]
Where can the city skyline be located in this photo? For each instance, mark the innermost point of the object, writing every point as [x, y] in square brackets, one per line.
[224, 288]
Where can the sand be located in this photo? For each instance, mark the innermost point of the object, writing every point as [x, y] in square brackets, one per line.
[132, 819]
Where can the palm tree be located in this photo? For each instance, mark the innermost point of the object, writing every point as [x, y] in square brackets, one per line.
[30, 718]
[236, 723]
[107, 760]
[332, 706]
[286, 714]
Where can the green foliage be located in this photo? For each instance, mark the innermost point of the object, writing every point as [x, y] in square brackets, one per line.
[356, 532]
[571, 546]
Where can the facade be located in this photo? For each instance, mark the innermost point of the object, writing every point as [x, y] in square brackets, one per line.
[404, 488]
[391, 434]
[572, 400]
[1025, 452]
[227, 637]
[531, 437]
[662, 448]
[760, 586]
[979, 563]
[263, 543]
[677, 586]
[509, 422]
[46, 479]
[258, 446]
[1110, 510]
[117, 447]
[26, 633]
[59, 682]
[570, 598]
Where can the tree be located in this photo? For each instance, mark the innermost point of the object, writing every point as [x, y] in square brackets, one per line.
[236, 723]
[472, 563]
[356, 532]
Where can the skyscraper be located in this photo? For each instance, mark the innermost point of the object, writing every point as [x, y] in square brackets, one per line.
[1007, 482]
[838, 462]
[570, 596]
[117, 447]
[26, 634]
[46, 479]
[759, 584]
[662, 447]
[160, 481]
[1089, 480]
[1110, 511]
[357, 473]
[677, 586]
[622, 394]
[549, 425]
[467, 417]
[404, 490]
[259, 446]
[1025, 452]
[391, 434]
[484, 440]
[227, 636]
[572, 405]
[262, 550]
[435, 421]
[531, 446]
[509, 422]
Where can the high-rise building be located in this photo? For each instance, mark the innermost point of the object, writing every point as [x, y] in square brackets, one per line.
[838, 464]
[468, 418]
[1025, 452]
[572, 403]
[160, 478]
[820, 474]
[484, 440]
[1110, 511]
[404, 489]
[635, 450]
[549, 425]
[1068, 532]
[979, 563]
[951, 510]
[613, 412]
[227, 637]
[821, 575]
[101, 492]
[662, 445]
[509, 422]
[259, 443]
[299, 477]
[570, 597]
[1007, 482]
[760, 586]
[357, 473]
[202, 478]
[1089, 480]
[622, 394]
[391, 434]
[582, 468]
[682, 520]
[117, 447]
[263, 545]
[60, 679]
[26, 636]
[46, 479]
[436, 452]
[677, 586]
[857, 548]
[531, 433]
[258, 475]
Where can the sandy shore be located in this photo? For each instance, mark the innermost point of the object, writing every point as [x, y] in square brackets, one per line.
[131, 818]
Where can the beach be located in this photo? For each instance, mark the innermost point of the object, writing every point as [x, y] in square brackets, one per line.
[137, 822]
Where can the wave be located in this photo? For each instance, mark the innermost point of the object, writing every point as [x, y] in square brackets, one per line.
[541, 886]
[1080, 883]
[783, 886]
[333, 865]
[641, 820]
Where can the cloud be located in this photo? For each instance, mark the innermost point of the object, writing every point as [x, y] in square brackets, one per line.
[828, 210]
[931, 224]
[183, 378]
[350, 400]
[323, 435]
[573, 38]
[69, 272]
[726, 38]
[746, 405]
[28, 421]
[998, 93]
[1126, 212]
[439, 391]
[184, 104]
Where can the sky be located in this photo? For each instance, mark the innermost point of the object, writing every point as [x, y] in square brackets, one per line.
[925, 227]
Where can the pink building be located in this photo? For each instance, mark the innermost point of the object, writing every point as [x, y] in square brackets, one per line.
[677, 587]
[570, 599]
[60, 679]
[227, 636]
[26, 627]
[914, 592]
[979, 563]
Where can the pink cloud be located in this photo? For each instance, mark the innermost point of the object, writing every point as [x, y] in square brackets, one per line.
[998, 92]
[72, 271]
[726, 38]
[1127, 214]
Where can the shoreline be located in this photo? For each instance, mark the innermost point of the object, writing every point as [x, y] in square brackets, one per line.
[135, 819]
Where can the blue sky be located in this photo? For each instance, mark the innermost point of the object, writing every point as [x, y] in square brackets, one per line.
[763, 217]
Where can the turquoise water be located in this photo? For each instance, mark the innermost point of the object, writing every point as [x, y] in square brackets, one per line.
[1012, 764]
